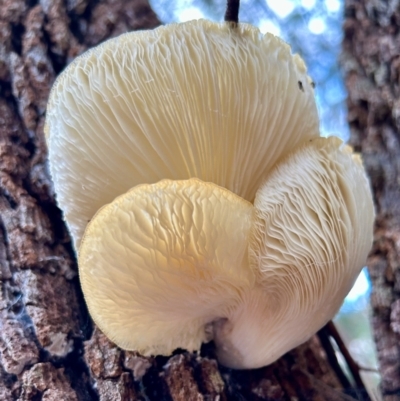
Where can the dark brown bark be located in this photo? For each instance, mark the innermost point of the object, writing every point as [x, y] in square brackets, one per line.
[371, 60]
[49, 349]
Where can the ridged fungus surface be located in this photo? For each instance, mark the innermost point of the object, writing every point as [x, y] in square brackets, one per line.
[202, 201]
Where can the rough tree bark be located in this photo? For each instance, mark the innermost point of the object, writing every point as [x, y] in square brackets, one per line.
[49, 348]
[371, 61]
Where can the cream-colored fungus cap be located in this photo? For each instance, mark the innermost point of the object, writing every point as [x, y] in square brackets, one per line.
[311, 234]
[197, 99]
[164, 261]
[174, 263]
[178, 263]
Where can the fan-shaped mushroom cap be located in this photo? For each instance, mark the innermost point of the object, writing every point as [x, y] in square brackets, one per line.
[197, 99]
[312, 231]
[162, 262]
[176, 263]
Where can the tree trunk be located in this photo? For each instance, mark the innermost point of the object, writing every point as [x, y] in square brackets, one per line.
[49, 347]
[371, 61]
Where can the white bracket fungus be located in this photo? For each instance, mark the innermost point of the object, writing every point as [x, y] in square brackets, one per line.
[258, 228]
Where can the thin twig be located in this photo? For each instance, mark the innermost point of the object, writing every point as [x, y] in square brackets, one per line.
[323, 336]
[330, 331]
[351, 363]
[232, 11]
